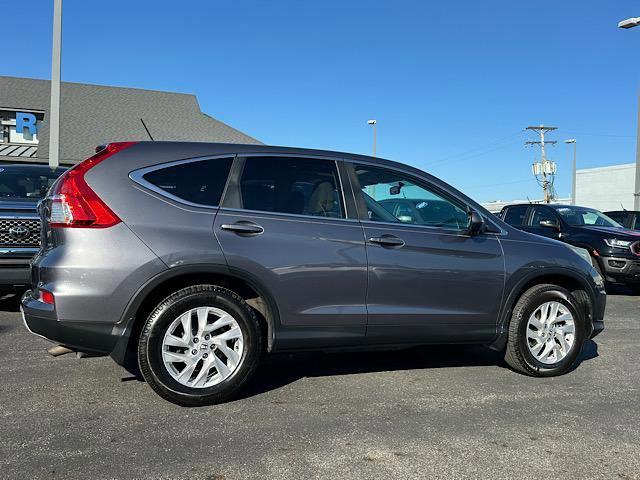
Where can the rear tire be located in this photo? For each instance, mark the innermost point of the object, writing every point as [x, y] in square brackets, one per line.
[200, 346]
[542, 343]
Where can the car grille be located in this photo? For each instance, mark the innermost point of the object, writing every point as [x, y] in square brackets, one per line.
[17, 232]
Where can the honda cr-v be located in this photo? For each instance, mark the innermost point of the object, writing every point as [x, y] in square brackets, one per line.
[190, 261]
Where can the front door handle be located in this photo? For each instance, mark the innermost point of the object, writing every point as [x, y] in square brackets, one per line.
[243, 228]
[387, 241]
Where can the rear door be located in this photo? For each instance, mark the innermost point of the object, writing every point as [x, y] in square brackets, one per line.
[427, 279]
[285, 222]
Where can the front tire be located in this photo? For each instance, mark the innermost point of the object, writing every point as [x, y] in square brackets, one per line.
[546, 332]
[200, 346]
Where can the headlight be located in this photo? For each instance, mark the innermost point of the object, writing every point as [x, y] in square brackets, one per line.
[615, 243]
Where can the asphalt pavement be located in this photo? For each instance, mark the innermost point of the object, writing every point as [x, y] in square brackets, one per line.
[429, 412]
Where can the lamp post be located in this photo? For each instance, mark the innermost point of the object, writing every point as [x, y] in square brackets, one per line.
[54, 111]
[373, 123]
[630, 23]
[573, 169]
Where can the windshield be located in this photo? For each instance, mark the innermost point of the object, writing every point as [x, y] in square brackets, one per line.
[26, 183]
[580, 216]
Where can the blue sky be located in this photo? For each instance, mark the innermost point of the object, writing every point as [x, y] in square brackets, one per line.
[452, 84]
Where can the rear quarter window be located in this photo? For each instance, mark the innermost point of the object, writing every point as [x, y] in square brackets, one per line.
[201, 182]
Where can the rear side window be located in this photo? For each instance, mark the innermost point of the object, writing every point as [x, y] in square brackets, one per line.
[200, 182]
[542, 214]
[515, 215]
[302, 186]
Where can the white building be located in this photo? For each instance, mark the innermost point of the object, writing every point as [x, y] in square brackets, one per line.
[606, 188]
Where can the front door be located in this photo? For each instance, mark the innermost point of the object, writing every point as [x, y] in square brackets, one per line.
[284, 222]
[427, 279]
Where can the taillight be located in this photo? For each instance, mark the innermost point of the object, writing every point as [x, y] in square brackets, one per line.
[45, 296]
[74, 204]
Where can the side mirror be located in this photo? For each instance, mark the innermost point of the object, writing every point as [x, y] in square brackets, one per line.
[550, 224]
[476, 223]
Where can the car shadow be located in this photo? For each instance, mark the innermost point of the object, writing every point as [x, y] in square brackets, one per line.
[279, 370]
[622, 290]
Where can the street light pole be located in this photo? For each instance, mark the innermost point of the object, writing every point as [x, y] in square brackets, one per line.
[630, 23]
[54, 111]
[573, 169]
[373, 123]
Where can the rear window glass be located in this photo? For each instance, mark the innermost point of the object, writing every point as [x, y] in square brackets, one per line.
[515, 215]
[28, 183]
[200, 182]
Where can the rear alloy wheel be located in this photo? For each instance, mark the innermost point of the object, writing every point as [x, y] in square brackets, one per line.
[200, 346]
[546, 332]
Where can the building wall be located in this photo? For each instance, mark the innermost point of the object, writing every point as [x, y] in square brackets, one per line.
[606, 188]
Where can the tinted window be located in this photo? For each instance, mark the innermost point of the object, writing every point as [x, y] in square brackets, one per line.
[303, 186]
[579, 216]
[515, 215]
[26, 183]
[200, 182]
[620, 217]
[392, 197]
[541, 214]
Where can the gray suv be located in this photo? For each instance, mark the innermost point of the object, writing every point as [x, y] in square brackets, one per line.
[188, 261]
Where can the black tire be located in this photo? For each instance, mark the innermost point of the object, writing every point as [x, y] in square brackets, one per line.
[518, 355]
[150, 345]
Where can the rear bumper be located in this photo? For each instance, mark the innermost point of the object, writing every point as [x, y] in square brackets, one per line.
[41, 319]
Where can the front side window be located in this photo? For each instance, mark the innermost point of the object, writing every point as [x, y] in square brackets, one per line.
[393, 197]
[542, 214]
[200, 182]
[301, 186]
[580, 216]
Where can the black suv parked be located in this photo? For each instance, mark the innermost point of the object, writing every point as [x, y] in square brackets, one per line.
[21, 188]
[627, 218]
[614, 249]
[191, 259]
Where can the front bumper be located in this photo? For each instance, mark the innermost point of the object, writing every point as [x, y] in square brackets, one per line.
[15, 268]
[41, 319]
[621, 269]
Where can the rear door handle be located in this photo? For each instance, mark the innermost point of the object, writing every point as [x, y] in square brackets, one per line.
[387, 241]
[243, 228]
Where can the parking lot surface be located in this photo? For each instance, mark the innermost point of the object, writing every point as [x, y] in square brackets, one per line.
[429, 412]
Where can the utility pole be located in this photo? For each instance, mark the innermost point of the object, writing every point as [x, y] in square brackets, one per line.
[373, 123]
[630, 23]
[54, 111]
[544, 170]
[573, 169]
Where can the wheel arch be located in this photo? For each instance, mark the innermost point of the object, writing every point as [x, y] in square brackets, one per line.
[168, 281]
[563, 277]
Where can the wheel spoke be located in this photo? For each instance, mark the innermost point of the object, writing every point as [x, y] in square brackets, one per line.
[201, 378]
[186, 373]
[173, 357]
[228, 335]
[174, 341]
[548, 348]
[563, 343]
[221, 367]
[535, 322]
[203, 314]
[231, 354]
[185, 320]
[536, 348]
[553, 312]
[567, 328]
[223, 321]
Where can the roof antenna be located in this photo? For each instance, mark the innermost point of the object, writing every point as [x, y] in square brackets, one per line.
[623, 207]
[147, 130]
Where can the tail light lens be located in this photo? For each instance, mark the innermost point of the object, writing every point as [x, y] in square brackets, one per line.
[45, 296]
[74, 204]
